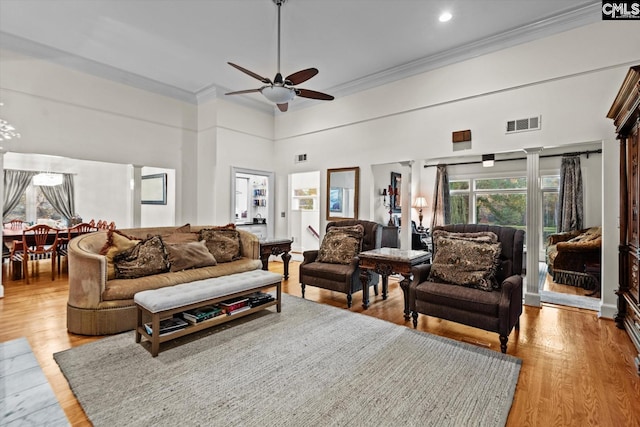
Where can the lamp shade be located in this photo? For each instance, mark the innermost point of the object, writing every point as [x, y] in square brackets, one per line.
[420, 202]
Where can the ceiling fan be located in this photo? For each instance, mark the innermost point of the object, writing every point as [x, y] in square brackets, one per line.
[282, 90]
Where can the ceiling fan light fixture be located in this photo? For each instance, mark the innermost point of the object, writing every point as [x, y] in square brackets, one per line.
[278, 94]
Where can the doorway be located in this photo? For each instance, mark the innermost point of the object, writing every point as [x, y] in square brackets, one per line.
[304, 211]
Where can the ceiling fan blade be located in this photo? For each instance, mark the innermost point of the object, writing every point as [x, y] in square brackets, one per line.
[251, 73]
[283, 107]
[306, 93]
[301, 76]
[239, 92]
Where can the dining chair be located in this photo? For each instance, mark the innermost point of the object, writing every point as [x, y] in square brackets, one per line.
[16, 252]
[66, 235]
[7, 248]
[15, 224]
[36, 246]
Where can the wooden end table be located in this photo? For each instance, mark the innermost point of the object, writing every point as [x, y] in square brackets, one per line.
[388, 261]
[276, 247]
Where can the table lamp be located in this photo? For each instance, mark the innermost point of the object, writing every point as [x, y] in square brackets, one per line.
[419, 203]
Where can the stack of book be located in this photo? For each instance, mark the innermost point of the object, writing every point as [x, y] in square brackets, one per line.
[259, 298]
[198, 315]
[167, 326]
[235, 305]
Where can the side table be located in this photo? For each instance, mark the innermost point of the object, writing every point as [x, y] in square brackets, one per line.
[388, 261]
[276, 247]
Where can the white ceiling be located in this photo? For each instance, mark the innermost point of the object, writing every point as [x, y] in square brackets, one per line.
[181, 47]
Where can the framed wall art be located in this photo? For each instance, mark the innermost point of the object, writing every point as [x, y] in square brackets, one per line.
[153, 189]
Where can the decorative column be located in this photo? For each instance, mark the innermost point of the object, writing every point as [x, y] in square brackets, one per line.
[136, 195]
[531, 294]
[405, 205]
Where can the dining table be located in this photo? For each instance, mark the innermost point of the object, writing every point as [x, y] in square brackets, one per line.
[10, 235]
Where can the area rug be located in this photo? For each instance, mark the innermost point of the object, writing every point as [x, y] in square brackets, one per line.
[26, 397]
[311, 365]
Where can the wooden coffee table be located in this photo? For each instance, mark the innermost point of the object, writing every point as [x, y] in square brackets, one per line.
[388, 261]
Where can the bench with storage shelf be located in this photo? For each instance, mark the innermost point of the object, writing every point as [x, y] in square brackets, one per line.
[164, 303]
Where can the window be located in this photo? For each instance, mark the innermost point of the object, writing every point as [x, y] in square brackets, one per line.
[459, 201]
[493, 201]
[502, 201]
[549, 186]
[33, 205]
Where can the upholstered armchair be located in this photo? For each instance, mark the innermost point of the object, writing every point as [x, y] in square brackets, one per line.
[567, 253]
[475, 278]
[340, 276]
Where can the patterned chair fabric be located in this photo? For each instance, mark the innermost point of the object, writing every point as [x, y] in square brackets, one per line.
[339, 276]
[495, 309]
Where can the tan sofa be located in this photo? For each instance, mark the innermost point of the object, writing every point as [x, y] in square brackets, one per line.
[98, 306]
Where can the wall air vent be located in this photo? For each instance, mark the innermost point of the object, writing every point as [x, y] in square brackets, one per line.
[300, 158]
[522, 125]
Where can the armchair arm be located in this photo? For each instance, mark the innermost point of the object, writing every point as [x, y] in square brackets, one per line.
[309, 256]
[420, 274]
[510, 303]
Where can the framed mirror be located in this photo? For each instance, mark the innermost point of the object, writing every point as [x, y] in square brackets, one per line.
[342, 193]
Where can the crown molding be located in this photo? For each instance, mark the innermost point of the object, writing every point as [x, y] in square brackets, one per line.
[66, 59]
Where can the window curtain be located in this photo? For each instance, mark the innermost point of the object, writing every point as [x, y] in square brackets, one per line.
[570, 208]
[61, 196]
[15, 184]
[441, 211]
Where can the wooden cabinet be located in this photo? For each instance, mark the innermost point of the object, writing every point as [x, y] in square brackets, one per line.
[625, 113]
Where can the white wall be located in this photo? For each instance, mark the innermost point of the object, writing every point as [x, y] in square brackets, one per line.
[160, 215]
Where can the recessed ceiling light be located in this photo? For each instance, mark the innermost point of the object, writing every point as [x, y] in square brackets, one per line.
[445, 16]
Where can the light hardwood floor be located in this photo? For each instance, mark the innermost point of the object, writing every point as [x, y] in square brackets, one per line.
[577, 370]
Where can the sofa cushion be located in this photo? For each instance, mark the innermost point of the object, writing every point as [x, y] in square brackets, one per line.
[180, 238]
[189, 255]
[118, 290]
[223, 243]
[465, 262]
[341, 244]
[116, 242]
[459, 297]
[144, 259]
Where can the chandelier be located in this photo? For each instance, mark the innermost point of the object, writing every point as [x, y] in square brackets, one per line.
[7, 131]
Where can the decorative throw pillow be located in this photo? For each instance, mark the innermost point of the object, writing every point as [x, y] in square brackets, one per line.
[479, 236]
[144, 259]
[116, 243]
[189, 255]
[466, 263]
[222, 243]
[341, 244]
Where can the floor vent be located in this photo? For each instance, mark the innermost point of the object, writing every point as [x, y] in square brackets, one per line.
[300, 158]
[522, 125]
